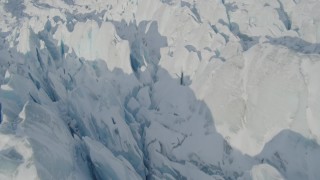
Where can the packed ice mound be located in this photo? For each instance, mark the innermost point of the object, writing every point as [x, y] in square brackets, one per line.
[159, 89]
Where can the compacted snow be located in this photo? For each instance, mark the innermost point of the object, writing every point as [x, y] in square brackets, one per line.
[159, 89]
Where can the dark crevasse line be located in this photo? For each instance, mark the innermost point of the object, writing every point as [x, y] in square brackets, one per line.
[283, 16]
[295, 44]
[196, 16]
[246, 41]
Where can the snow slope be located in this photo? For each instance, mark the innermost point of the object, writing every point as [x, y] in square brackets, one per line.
[159, 89]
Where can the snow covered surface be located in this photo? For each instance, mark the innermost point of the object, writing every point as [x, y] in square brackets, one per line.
[159, 89]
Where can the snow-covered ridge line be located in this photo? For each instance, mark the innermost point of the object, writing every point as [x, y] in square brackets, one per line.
[159, 90]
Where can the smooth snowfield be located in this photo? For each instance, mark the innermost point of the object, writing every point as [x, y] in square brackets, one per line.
[159, 89]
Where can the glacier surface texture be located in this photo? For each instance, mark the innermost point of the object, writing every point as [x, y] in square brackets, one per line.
[159, 89]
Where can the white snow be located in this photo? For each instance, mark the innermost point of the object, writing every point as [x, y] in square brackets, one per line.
[263, 172]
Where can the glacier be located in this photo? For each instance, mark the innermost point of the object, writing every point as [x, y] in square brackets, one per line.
[159, 89]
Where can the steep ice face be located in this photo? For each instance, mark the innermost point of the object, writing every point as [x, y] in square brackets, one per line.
[159, 89]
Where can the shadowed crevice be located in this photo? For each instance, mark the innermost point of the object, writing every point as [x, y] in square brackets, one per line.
[295, 44]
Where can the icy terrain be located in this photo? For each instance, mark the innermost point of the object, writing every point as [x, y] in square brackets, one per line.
[159, 89]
